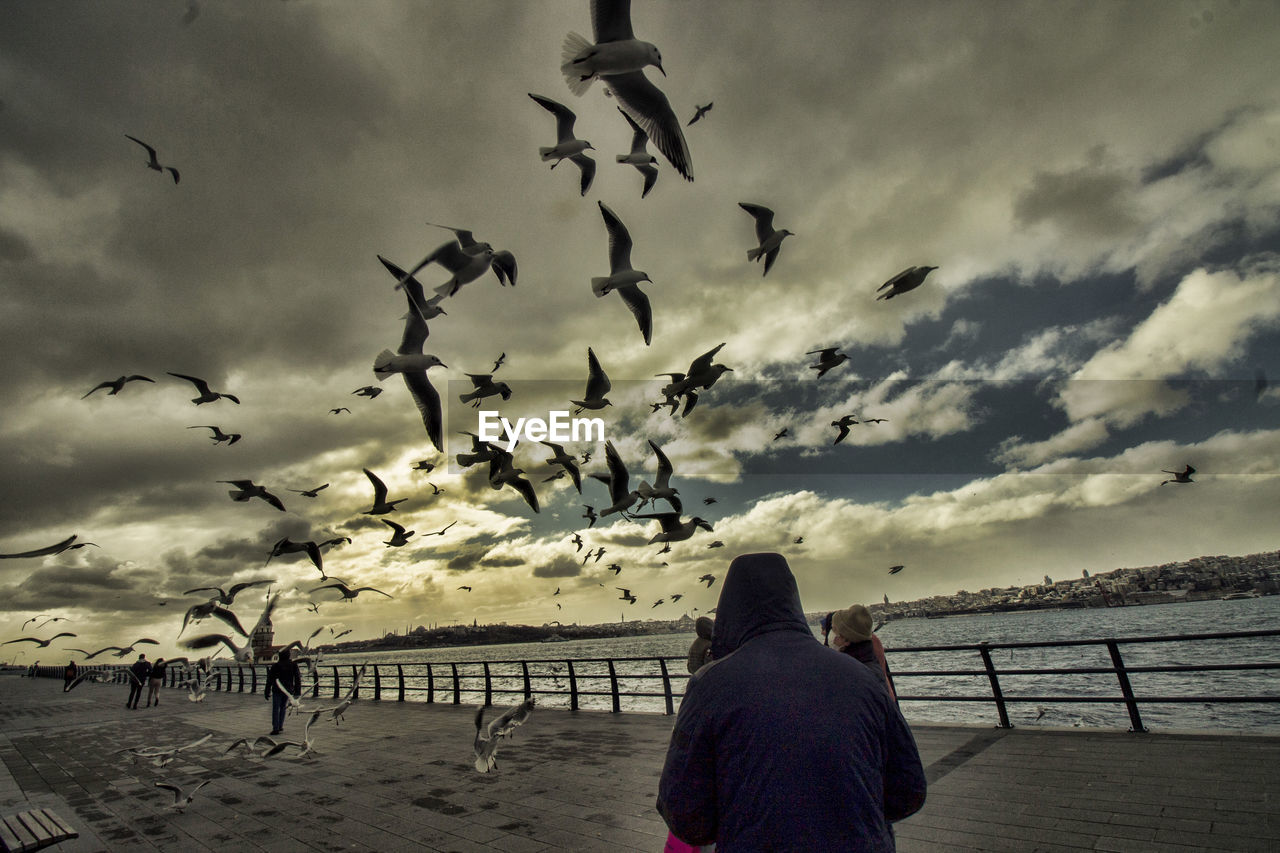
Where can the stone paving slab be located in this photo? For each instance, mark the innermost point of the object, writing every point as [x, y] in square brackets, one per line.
[398, 776]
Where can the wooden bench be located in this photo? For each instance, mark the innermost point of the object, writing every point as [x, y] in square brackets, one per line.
[33, 830]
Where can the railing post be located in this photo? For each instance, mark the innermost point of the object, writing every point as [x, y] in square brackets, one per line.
[240, 670]
[400, 676]
[613, 687]
[431, 685]
[217, 684]
[528, 691]
[573, 687]
[488, 686]
[377, 684]
[457, 687]
[336, 679]
[666, 686]
[995, 686]
[315, 681]
[253, 668]
[1125, 688]
[355, 682]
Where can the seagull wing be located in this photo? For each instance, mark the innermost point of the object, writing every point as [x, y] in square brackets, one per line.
[598, 383]
[201, 385]
[611, 20]
[371, 589]
[396, 527]
[42, 552]
[763, 217]
[565, 117]
[663, 480]
[645, 103]
[504, 267]
[638, 302]
[619, 240]
[151, 152]
[702, 363]
[208, 641]
[618, 476]
[379, 487]
[427, 400]
[230, 619]
[236, 589]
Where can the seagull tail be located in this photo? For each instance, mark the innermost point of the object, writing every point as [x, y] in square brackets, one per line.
[380, 364]
[575, 46]
[600, 285]
[754, 254]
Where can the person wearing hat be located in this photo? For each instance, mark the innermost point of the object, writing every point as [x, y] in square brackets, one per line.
[851, 633]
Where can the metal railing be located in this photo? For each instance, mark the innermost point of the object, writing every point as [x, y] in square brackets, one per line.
[652, 683]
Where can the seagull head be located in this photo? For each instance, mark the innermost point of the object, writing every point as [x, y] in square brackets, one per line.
[433, 361]
[655, 57]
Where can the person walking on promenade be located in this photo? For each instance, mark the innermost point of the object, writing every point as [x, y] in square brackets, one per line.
[156, 682]
[851, 634]
[138, 674]
[286, 672]
[69, 674]
[779, 743]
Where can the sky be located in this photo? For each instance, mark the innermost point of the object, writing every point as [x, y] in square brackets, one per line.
[1097, 184]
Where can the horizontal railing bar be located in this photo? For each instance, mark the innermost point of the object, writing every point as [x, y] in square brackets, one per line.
[1091, 670]
[1099, 700]
[1045, 644]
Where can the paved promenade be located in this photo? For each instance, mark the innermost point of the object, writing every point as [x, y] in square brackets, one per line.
[399, 777]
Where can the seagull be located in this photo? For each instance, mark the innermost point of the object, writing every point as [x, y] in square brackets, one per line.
[569, 464]
[305, 747]
[567, 146]
[399, 537]
[781, 433]
[908, 279]
[182, 798]
[827, 359]
[435, 490]
[622, 498]
[875, 420]
[339, 410]
[502, 262]
[639, 155]
[702, 374]
[204, 610]
[427, 309]
[247, 489]
[152, 163]
[893, 570]
[618, 57]
[622, 277]
[577, 540]
[485, 387]
[337, 540]
[50, 619]
[626, 595]
[1183, 476]
[502, 472]
[206, 396]
[348, 593]
[117, 385]
[381, 505]
[121, 651]
[441, 531]
[369, 391]
[218, 435]
[44, 644]
[666, 549]
[590, 515]
[424, 465]
[709, 501]
[481, 451]
[591, 552]
[843, 425]
[673, 529]
[708, 580]
[598, 385]
[335, 712]
[770, 239]
[488, 737]
[699, 112]
[465, 266]
[288, 546]
[410, 361]
[467, 588]
[56, 548]
[799, 540]
[661, 487]
[311, 493]
[615, 568]
[557, 592]
[241, 654]
[676, 597]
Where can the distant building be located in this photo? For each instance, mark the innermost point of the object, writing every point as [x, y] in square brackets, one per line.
[262, 641]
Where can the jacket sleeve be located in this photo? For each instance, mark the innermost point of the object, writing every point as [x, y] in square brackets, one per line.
[687, 789]
[270, 679]
[904, 779]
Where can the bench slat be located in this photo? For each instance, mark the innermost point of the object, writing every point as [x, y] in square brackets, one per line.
[33, 830]
[37, 829]
[58, 825]
[9, 834]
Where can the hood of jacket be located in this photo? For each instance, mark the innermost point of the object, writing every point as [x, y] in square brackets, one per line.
[759, 596]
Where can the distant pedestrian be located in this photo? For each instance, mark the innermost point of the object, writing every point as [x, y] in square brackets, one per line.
[69, 674]
[700, 648]
[138, 674]
[851, 633]
[286, 672]
[780, 744]
[156, 682]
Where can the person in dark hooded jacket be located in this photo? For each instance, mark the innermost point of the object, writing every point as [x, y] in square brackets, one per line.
[782, 744]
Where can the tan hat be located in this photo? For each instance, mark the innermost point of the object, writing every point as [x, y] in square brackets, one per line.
[852, 623]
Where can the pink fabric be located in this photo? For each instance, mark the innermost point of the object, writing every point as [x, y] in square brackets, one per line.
[675, 845]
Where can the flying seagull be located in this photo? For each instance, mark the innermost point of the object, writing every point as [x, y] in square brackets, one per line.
[246, 489]
[673, 529]
[567, 146]
[502, 472]
[348, 593]
[44, 644]
[152, 163]
[620, 495]
[56, 548]
[228, 596]
[399, 535]
[893, 570]
[488, 737]
[590, 515]
[639, 155]
[410, 362]
[708, 580]
[598, 385]
[843, 425]
[204, 610]
[311, 493]
[769, 237]
[381, 505]
[1183, 476]
[502, 262]
[484, 386]
[206, 395]
[369, 391]
[622, 277]
[569, 463]
[242, 654]
[661, 487]
[618, 58]
[182, 797]
[288, 546]
[908, 279]
[218, 435]
[827, 359]
[699, 112]
[427, 309]
[626, 595]
[117, 385]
